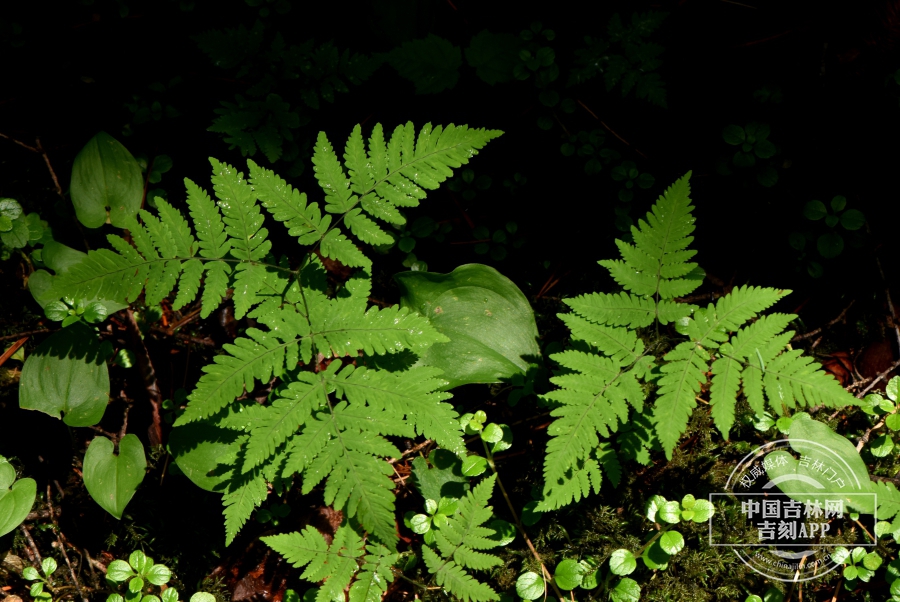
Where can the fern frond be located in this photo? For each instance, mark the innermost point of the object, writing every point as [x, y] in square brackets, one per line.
[372, 582]
[621, 344]
[792, 380]
[458, 541]
[710, 327]
[455, 580]
[289, 206]
[657, 265]
[240, 500]
[336, 564]
[682, 378]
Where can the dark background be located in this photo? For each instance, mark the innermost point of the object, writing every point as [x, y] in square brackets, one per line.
[69, 68]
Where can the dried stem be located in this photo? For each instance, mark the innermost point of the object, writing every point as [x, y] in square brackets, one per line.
[813, 333]
[27, 333]
[145, 366]
[61, 539]
[610, 130]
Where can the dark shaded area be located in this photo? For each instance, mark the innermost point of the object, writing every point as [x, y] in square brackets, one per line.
[71, 69]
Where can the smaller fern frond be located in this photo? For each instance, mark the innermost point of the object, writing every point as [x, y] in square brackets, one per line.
[244, 494]
[682, 379]
[304, 220]
[335, 564]
[657, 265]
[459, 541]
[372, 582]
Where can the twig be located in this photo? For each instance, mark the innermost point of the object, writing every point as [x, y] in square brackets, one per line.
[112, 436]
[865, 437]
[40, 149]
[145, 366]
[62, 543]
[413, 450]
[12, 350]
[610, 130]
[877, 379]
[27, 333]
[813, 333]
[519, 525]
[32, 548]
[20, 143]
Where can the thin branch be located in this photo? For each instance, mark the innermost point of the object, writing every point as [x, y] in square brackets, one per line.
[20, 143]
[27, 333]
[812, 333]
[877, 379]
[40, 149]
[149, 375]
[611, 131]
[12, 350]
[62, 543]
[32, 549]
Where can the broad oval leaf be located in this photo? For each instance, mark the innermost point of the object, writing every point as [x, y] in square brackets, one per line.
[66, 375]
[15, 501]
[488, 320]
[106, 182]
[197, 448]
[112, 479]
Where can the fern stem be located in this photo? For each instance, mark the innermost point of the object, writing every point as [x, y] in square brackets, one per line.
[519, 526]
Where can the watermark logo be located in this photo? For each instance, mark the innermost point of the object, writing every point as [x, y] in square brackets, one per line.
[792, 505]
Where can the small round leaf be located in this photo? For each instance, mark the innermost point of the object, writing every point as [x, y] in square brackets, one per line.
[492, 433]
[815, 210]
[504, 532]
[119, 571]
[158, 574]
[622, 562]
[830, 245]
[627, 590]
[881, 446]
[670, 512]
[671, 542]
[853, 219]
[529, 515]
[530, 586]
[203, 597]
[420, 523]
[568, 574]
[838, 203]
[733, 134]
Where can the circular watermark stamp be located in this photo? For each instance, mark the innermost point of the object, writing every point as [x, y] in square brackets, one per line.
[792, 505]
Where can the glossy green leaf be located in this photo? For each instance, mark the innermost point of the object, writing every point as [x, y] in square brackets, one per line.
[30, 573]
[733, 134]
[622, 562]
[568, 574]
[804, 485]
[67, 375]
[530, 586]
[626, 590]
[158, 574]
[197, 448]
[671, 542]
[473, 466]
[112, 479]
[106, 183]
[703, 510]
[48, 566]
[653, 505]
[119, 571]
[670, 512]
[504, 531]
[881, 446]
[16, 497]
[203, 597]
[492, 433]
[487, 318]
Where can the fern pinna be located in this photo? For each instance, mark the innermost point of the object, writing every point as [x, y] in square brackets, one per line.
[615, 359]
[328, 418]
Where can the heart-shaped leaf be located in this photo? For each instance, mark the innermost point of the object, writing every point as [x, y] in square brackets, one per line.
[197, 448]
[106, 181]
[15, 501]
[112, 479]
[66, 374]
[488, 320]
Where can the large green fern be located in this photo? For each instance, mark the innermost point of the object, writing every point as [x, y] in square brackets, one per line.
[616, 359]
[328, 419]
